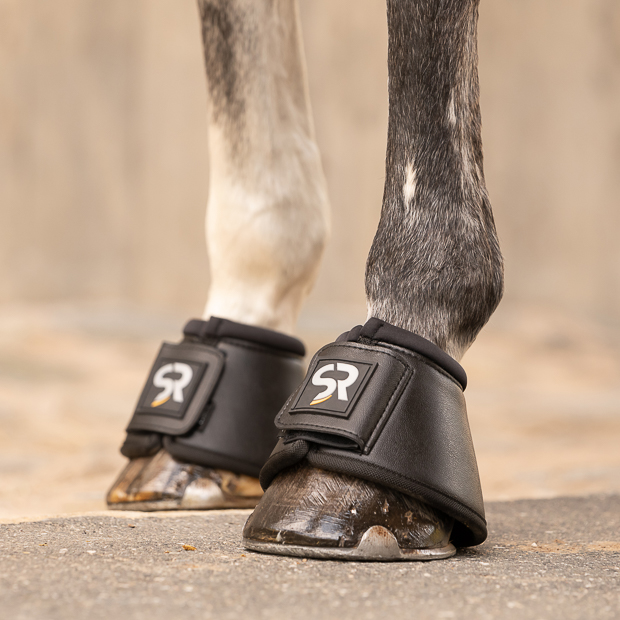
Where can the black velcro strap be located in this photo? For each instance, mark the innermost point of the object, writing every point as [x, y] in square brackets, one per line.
[350, 391]
[178, 388]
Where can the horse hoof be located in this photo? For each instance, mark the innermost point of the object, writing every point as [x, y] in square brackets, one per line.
[160, 482]
[310, 512]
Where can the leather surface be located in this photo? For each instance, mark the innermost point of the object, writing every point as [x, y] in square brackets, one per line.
[239, 433]
[224, 413]
[424, 446]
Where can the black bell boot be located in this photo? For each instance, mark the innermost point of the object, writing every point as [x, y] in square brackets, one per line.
[203, 426]
[375, 459]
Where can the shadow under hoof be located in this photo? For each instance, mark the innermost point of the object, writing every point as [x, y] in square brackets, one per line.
[315, 513]
[160, 482]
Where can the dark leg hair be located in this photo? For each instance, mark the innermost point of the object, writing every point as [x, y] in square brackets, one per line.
[435, 267]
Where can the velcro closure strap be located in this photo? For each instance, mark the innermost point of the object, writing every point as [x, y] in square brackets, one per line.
[329, 403]
[178, 388]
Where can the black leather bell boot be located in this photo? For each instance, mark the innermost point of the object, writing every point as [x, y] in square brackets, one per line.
[375, 459]
[203, 426]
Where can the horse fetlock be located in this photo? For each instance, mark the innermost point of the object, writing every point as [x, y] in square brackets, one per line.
[265, 255]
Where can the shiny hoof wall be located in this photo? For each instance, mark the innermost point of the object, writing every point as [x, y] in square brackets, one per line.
[309, 512]
[160, 482]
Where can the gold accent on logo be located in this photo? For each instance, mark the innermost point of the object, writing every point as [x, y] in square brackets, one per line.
[316, 402]
[156, 403]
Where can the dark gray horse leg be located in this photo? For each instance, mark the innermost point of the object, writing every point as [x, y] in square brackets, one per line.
[434, 269]
[435, 266]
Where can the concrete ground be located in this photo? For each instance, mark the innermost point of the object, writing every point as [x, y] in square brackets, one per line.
[552, 559]
[544, 407]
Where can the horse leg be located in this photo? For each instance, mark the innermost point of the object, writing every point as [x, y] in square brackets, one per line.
[267, 219]
[434, 270]
[267, 223]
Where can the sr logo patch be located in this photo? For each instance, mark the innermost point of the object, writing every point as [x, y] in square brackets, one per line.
[171, 387]
[334, 387]
[165, 378]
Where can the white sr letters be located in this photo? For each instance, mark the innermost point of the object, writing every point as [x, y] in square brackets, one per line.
[331, 384]
[171, 387]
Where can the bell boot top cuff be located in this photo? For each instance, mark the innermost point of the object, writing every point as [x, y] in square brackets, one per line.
[216, 327]
[376, 329]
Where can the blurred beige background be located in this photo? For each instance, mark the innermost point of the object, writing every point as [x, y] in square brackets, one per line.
[104, 167]
[103, 186]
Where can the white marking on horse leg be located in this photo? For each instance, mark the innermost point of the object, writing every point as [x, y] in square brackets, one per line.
[268, 214]
[452, 110]
[410, 185]
[265, 244]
